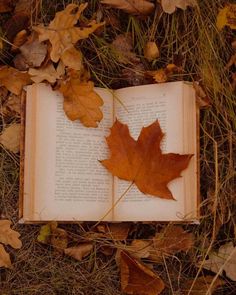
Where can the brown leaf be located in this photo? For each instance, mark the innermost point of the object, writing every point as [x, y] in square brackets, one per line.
[80, 251]
[9, 236]
[10, 138]
[151, 51]
[59, 239]
[47, 73]
[122, 46]
[19, 40]
[136, 278]
[169, 6]
[13, 79]
[81, 102]
[140, 248]
[34, 52]
[136, 7]
[163, 75]
[5, 260]
[12, 105]
[6, 6]
[63, 35]
[142, 161]
[201, 286]
[15, 24]
[170, 241]
[116, 231]
[202, 99]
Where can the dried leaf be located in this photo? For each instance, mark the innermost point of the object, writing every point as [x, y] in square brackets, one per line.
[9, 236]
[136, 278]
[81, 102]
[116, 231]
[47, 73]
[12, 105]
[136, 7]
[5, 260]
[224, 259]
[59, 239]
[169, 6]
[142, 161]
[227, 17]
[34, 52]
[163, 75]
[151, 51]
[201, 286]
[80, 251]
[122, 46]
[10, 138]
[170, 241]
[44, 234]
[13, 79]
[19, 40]
[6, 6]
[202, 99]
[63, 35]
[140, 248]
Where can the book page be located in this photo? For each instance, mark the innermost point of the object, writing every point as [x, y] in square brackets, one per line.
[141, 106]
[69, 183]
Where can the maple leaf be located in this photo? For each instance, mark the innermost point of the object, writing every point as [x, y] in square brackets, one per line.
[142, 161]
[136, 7]
[136, 278]
[13, 79]
[169, 6]
[81, 102]
[63, 35]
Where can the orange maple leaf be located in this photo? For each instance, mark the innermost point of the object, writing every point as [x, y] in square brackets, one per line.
[142, 161]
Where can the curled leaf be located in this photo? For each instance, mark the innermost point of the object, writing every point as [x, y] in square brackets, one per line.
[80, 251]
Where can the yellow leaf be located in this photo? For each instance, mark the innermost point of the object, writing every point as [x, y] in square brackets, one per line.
[13, 79]
[48, 73]
[5, 260]
[63, 34]
[44, 234]
[151, 51]
[9, 236]
[80, 251]
[81, 102]
[227, 17]
[10, 139]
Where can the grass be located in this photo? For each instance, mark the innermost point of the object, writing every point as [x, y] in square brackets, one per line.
[192, 38]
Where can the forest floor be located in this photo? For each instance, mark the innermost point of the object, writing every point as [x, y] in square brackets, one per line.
[188, 39]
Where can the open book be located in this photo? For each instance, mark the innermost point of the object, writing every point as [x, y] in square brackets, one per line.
[63, 179]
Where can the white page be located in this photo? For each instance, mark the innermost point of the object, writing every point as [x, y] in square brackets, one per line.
[146, 104]
[69, 182]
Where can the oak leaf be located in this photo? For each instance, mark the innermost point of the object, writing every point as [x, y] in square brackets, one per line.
[10, 138]
[13, 79]
[9, 236]
[136, 7]
[5, 260]
[47, 73]
[81, 102]
[142, 161]
[136, 278]
[169, 6]
[80, 251]
[63, 35]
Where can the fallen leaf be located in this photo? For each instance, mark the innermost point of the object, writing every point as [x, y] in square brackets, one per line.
[12, 105]
[34, 52]
[142, 161]
[140, 248]
[201, 286]
[136, 278]
[122, 47]
[201, 97]
[19, 40]
[116, 231]
[6, 6]
[47, 73]
[44, 234]
[80, 251]
[169, 6]
[59, 239]
[63, 35]
[81, 102]
[169, 241]
[227, 17]
[163, 75]
[136, 7]
[5, 260]
[224, 259]
[9, 236]
[10, 138]
[13, 79]
[151, 51]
